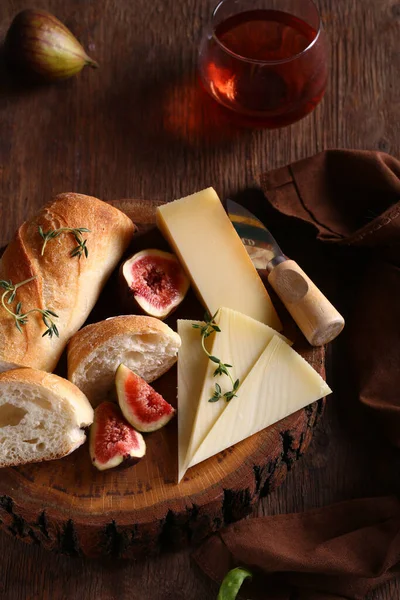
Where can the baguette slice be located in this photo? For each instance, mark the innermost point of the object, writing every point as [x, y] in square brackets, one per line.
[41, 417]
[69, 286]
[145, 345]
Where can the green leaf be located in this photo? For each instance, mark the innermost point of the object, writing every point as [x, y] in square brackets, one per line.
[232, 583]
[51, 312]
[223, 369]
[76, 252]
[216, 328]
[195, 326]
[18, 326]
[214, 399]
[18, 308]
[214, 359]
[218, 388]
[85, 250]
[236, 385]
[55, 330]
[83, 230]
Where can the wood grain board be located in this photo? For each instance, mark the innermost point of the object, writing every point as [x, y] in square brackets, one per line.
[103, 134]
[69, 506]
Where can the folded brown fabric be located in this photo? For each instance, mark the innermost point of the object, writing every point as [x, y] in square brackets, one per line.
[341, 551]
[352, 199]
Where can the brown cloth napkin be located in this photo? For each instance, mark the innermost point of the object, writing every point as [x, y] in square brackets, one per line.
[352, 199]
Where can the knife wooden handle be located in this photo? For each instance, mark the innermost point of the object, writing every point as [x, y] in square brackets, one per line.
[317, 318]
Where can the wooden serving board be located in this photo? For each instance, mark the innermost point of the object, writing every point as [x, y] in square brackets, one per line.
[69, 506]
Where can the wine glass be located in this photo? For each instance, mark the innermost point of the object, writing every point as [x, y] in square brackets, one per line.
[265, 60]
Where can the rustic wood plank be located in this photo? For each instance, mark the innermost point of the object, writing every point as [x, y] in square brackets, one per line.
[104, 134]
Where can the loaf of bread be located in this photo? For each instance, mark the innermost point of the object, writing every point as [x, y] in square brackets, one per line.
[41, 417]
[67, 285]
[145, 345]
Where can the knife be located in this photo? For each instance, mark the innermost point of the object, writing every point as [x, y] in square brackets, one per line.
[317, 318]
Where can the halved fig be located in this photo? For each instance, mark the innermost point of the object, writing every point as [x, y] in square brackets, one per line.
[155, 281]
[113, 441]
[141, 405]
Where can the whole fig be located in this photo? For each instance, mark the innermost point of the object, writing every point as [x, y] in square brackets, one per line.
[41, 45]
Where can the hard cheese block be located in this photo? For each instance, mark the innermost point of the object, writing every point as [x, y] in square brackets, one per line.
[192, 363]
[280, 383]
[240, 343]
[212, 253]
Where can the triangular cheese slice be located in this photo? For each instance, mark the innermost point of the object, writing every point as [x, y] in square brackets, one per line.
[240, 343]
[280, 383]
[192, 364]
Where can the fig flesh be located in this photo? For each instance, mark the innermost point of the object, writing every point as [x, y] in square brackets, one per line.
[113, 441]
[141, 405]
[155, 282]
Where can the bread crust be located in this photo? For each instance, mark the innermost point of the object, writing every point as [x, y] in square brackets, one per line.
[83, 343]
[70, 393]
[68, 286]
[71, 396]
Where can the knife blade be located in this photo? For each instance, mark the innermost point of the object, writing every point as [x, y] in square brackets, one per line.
[260, 244]
[317, 318]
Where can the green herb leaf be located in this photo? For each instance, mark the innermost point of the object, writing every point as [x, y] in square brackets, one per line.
[232, 583]
[205, 330]
[80, 249]
[20, 318]
[214, 359]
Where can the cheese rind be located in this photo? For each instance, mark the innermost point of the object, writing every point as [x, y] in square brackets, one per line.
[212, 253]
[240, 343]
[280, 383]
[192, 363]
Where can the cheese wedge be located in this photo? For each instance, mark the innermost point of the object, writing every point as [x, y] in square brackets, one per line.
[213, 255]
[192, 364]
[240, 343]
[280, 383]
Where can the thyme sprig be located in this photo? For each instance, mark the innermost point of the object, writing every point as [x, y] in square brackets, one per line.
[80, 249]
[20, 317]
[206, 330]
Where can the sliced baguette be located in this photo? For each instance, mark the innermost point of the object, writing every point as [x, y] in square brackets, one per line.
[145, 345]
[70, 286]
[41, 417]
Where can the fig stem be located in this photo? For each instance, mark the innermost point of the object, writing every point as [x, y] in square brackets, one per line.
[92, 63]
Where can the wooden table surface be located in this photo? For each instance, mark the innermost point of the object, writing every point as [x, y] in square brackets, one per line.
[137, 128]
